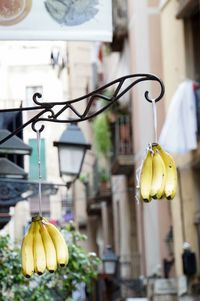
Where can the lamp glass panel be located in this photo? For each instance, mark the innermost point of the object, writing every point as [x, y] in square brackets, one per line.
[109, 267]
[70, 159]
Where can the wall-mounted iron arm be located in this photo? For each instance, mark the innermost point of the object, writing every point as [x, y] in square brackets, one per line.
[117, 88]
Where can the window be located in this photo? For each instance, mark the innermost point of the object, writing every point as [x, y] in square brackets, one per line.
[33, 160]
[192, 45]
[195, 26]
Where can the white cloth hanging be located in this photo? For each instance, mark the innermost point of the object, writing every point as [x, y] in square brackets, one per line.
[179, 132]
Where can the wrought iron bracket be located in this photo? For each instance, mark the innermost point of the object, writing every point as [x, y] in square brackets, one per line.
[117, 89]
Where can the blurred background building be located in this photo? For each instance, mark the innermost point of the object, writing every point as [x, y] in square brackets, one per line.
[158, 37]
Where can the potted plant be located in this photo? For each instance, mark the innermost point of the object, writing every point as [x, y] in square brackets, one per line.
[103, 178]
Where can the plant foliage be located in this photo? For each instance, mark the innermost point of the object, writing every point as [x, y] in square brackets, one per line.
[102, 135]
[103, 175]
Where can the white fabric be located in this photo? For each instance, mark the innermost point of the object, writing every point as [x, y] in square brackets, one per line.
[179, 131]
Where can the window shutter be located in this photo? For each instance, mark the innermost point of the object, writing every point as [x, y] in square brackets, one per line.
[33, 160]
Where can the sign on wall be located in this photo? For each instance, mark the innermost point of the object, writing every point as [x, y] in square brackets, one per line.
[88, 20]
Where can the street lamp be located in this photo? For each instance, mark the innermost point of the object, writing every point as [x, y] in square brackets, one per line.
[110, 261]
[72, 148]
[8, 169]
[13, 146]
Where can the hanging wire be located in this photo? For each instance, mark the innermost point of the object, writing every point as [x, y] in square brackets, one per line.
[39, 172]
[154, 110]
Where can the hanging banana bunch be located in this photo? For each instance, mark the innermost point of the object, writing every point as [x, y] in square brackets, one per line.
[158, 177]
[43, 247]
[158, 174]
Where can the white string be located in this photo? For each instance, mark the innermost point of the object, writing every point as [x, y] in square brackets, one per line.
[154, 120]
[137, 194]
[39, 172]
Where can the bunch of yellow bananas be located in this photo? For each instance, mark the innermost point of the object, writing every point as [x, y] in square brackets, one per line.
[158, 176]
[43, 247]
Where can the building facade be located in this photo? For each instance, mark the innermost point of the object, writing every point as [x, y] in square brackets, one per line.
[27, 68]
[180, 63]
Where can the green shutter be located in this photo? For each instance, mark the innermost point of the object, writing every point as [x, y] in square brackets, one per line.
[33, 160]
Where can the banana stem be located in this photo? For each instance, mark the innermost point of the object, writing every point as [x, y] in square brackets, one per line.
[36, 218]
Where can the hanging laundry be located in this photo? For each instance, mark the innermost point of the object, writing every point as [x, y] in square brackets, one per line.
[179, 132]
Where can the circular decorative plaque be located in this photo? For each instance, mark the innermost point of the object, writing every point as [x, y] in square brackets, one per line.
[14, 11]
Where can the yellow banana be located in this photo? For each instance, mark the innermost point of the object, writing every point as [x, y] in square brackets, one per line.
[171, 173]
[158, 176]
[27, 252]
[59, 243]
[50, 252]
[38, 251]
[146, 177]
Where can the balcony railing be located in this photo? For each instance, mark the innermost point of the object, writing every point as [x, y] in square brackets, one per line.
[122, 141]
[122, 157]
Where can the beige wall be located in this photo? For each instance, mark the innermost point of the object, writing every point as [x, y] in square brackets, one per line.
[164, 209]
[173, 72]
[30, 66]
[146, 57]
[80, 74]
[122, 224]
[183, 207]
[145, 45]
[20, 218]
[173, 49]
